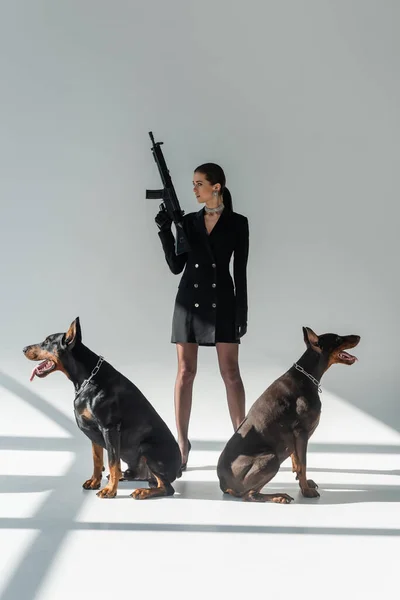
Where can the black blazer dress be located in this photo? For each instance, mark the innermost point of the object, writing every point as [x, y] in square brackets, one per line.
[209, 303]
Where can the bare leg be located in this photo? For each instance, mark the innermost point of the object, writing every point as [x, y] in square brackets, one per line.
[228, 357]
[187, 367]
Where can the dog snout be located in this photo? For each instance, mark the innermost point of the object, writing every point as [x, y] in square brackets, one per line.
[30, 351]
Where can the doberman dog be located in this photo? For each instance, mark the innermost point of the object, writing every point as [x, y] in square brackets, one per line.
[280, 423]
[114, 414]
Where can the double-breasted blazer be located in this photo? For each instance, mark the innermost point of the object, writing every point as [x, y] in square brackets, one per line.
[210, 304]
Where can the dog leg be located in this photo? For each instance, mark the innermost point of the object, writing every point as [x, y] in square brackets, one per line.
[162, 488]
[94, 482]
[232, 493]
[137, 469]
[140, 472]
[295, 464]
[299, 457]
[263, 469]
[112, 439]
[254, 496]
[296, 468]
[127, 475]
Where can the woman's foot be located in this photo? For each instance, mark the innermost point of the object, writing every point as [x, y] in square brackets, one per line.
[185, 448]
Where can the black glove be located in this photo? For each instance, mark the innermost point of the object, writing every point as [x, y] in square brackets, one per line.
[163, 220]
[241, 330]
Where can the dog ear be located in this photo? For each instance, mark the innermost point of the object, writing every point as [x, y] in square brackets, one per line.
[73, 334]
[311, 339]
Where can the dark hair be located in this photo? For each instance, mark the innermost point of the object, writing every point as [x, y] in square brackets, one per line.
[215, 174]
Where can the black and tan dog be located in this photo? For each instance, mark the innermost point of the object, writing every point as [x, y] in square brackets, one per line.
[280, 422]
[114, 415]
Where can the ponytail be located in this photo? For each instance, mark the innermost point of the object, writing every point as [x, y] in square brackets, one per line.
[227, 199]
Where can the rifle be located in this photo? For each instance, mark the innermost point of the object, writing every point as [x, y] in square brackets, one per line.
[170, 200]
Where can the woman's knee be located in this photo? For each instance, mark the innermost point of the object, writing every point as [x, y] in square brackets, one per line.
[230, 374]
[186, 372]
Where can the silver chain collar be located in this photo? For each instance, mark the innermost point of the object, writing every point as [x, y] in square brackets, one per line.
[92, 374]
[315, 381]
[218, 209]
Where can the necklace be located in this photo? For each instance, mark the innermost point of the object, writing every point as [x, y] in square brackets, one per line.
[214, 211]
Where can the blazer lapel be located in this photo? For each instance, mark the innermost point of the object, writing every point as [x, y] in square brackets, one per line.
[223, 223]
[201, 228]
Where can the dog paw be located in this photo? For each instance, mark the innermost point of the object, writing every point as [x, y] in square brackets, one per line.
[310, 492]
[311, 484]
[92, 484]
[107, 492]
[140, 494]
[253, 496]
[283, 499]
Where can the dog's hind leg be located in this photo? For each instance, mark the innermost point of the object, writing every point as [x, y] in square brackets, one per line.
[161, 488]
[160, 484]
[264, 468]
[253, 496]
[138, 472]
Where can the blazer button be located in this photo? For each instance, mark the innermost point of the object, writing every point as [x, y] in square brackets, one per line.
[214, 305]
[214, 285]
[213, 265]
[196, 305]
[196, 266]
[196, 285]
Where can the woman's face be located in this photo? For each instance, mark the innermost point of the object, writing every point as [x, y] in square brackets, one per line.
[203, 188]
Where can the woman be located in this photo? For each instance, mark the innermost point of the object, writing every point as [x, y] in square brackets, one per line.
[210, 309]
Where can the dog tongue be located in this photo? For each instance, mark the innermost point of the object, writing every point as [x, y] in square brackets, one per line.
[34, 372]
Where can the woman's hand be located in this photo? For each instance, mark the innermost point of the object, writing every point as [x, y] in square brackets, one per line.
[163, 220]
[241, 330]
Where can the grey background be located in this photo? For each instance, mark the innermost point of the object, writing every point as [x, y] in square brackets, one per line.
[297, 100]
